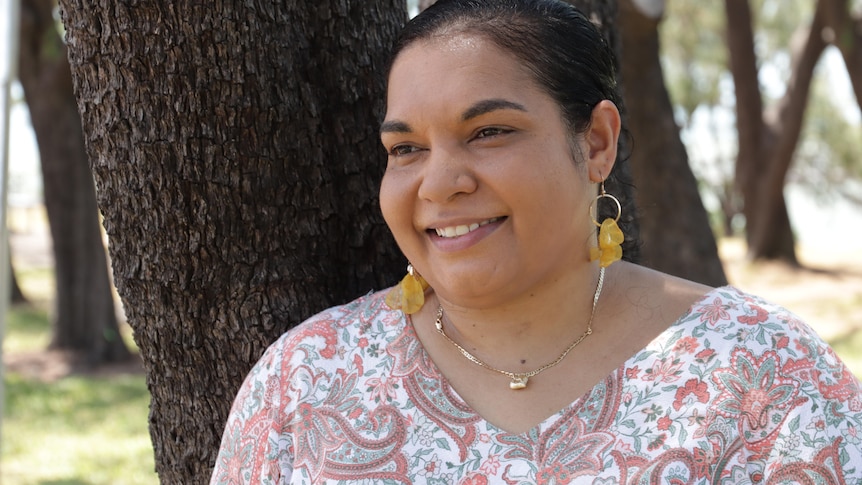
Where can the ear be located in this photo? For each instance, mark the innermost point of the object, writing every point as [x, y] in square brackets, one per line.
[601, 140]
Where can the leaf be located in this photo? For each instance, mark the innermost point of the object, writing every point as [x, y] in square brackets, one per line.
[794, 424]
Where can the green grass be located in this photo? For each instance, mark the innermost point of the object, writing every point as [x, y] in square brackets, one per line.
[37, 284]
[78, 430]
[27, 329]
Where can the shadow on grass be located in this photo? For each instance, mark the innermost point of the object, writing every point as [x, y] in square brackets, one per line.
[831, 272]
[94, 428]
[28, 319]
[85, 400]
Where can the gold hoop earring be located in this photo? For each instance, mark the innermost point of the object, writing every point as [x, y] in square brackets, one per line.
[610, 235]
[408, 295]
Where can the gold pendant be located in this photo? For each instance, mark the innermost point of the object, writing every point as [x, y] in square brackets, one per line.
[518, 382]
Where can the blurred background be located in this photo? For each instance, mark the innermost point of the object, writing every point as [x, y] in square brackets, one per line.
[75, 412]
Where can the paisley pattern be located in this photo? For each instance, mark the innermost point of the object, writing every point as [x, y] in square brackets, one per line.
[737, 391]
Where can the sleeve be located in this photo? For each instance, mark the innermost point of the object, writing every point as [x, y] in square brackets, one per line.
[254, 449]
[818, 440]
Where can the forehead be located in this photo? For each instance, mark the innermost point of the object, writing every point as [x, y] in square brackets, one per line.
[456, 69]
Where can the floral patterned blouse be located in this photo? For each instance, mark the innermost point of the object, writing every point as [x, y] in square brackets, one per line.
[737, 391]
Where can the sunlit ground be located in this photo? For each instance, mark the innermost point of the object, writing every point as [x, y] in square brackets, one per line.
[60, 429]
[826, 292]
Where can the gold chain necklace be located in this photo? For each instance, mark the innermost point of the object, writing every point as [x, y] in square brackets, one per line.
[519, 379]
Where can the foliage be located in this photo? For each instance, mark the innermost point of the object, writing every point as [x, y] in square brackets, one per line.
[694, 57]
[830, 148]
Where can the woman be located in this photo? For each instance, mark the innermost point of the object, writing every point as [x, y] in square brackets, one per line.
[523, 353]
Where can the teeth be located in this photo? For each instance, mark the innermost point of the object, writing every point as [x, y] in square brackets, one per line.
[455, 231]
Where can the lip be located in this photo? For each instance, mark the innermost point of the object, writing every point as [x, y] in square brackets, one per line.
[464, 241]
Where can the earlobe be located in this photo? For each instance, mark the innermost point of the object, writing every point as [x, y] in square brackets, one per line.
[602, 137]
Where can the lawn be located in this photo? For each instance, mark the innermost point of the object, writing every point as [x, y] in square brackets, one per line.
[74, 430]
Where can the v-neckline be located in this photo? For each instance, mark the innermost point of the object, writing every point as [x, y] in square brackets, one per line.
[446, 388]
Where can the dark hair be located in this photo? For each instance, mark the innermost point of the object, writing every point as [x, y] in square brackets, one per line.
[566, 54]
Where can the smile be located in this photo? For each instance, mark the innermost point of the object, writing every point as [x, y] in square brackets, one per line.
[455, 231]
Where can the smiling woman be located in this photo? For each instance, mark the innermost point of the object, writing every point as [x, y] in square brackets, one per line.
[496, 157]
[511, 354]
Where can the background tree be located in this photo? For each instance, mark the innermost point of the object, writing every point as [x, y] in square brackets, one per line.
[84, 318]
[784, 119]
[832, 164]
[237, 157]
[768, 135]
[675, 227]
[694, 61]
[844, 31]
[16, 295]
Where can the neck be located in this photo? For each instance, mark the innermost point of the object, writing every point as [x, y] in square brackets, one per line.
[525, 332]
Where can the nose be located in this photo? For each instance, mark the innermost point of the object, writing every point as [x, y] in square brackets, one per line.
[447, 173]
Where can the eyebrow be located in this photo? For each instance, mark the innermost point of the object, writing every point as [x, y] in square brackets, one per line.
[395, 126]
[489, 105]
[480, 108]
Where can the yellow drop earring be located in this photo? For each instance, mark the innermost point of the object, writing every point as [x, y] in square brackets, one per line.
[610, 235]
[408, 295]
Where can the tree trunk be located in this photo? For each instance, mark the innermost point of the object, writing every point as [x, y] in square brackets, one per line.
[675, 227]
[237, 159]
[16, 295]
[845, 32]
[768, 139]
[84, 318]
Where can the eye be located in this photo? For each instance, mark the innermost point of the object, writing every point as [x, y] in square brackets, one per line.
[492, 131]
[399, 150]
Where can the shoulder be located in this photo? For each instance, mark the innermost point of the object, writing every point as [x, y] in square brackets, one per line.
[729, 305]
[320, 346]
[747, 329]
[323, 335]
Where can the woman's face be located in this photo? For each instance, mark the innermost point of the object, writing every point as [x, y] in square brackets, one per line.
[482, 190]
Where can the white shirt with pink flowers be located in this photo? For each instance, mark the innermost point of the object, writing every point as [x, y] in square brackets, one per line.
[737, 391]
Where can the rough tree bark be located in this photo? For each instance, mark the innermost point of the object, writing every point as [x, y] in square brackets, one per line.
[236, 152]
[85, 320]
[768, 137]
[674, 225]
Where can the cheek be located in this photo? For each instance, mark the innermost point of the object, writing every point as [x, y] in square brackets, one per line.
[395, 202]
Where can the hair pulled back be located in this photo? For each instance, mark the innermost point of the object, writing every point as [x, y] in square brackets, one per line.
[567, 55]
